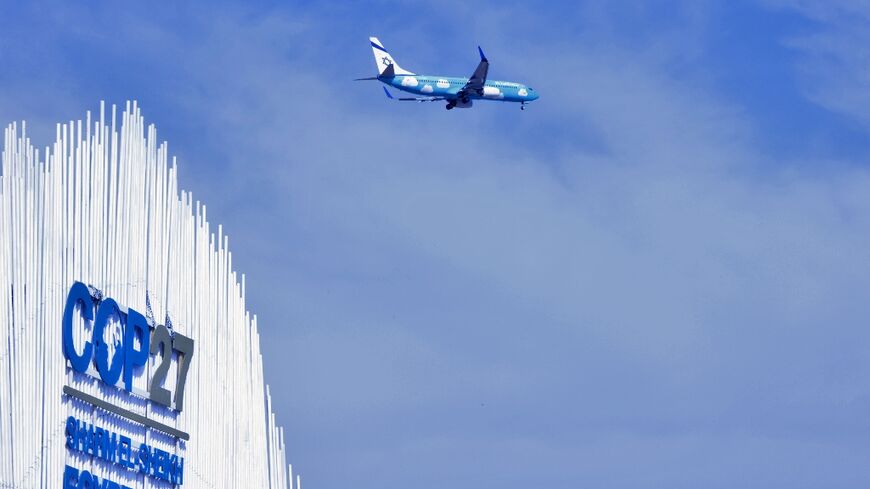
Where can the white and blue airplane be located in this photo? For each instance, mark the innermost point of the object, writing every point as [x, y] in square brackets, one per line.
[457, 92]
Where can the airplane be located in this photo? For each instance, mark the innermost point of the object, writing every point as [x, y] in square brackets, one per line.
[457, 92]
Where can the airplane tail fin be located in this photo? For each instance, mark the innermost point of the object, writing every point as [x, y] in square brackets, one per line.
[387, 66]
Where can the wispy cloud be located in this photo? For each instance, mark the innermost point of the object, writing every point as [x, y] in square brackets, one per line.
[835, 54]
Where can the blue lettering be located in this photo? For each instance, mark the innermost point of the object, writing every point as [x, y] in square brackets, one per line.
[110, 447]
[117, 449]
[71, 434]
[82, 437]
[144, 457]
[73, 479]
[86, 481]
[79, 295]
[161, 464]
[137, 328]
[177, 476]
[125, 452]
[92, 441]
[126, 358]
[107, 312]
[70, 477]
[98, 441]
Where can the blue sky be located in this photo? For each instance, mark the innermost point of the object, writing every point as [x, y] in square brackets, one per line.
[657, 276]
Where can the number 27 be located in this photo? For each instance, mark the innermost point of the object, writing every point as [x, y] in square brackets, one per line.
[163, 343]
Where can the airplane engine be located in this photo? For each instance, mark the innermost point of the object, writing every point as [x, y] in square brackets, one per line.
[462, 103]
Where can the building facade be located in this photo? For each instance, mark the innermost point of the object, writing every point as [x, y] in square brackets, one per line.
[127, 355]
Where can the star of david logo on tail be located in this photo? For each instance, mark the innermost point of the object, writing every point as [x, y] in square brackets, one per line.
[387, 65]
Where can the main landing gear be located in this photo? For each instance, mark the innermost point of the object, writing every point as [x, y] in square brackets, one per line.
[450, 105]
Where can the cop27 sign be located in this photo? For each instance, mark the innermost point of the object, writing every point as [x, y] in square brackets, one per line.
[100, 313]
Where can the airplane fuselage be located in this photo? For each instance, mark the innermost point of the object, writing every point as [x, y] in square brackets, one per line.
[456, 91]
[449, 87]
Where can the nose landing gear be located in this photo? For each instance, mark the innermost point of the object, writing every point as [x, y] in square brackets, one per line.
[522, 106]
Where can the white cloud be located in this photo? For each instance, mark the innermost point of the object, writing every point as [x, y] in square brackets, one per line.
[835, 57]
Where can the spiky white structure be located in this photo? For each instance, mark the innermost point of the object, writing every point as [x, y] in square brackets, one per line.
[102, 206]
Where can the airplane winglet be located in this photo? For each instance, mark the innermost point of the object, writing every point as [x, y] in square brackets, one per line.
[482, 56]
[389, 95]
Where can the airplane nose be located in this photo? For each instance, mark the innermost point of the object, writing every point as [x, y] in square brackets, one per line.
[533, 95]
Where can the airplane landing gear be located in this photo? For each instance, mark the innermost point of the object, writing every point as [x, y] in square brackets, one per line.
[450, 105]
[522, 106]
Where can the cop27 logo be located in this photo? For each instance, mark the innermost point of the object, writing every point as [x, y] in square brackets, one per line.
[99, 313]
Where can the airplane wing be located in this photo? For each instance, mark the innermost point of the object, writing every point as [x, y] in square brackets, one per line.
[475, 83]
[411, 99]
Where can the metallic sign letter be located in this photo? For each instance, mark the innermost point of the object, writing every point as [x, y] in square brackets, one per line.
[184, 346]
[160, 343]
